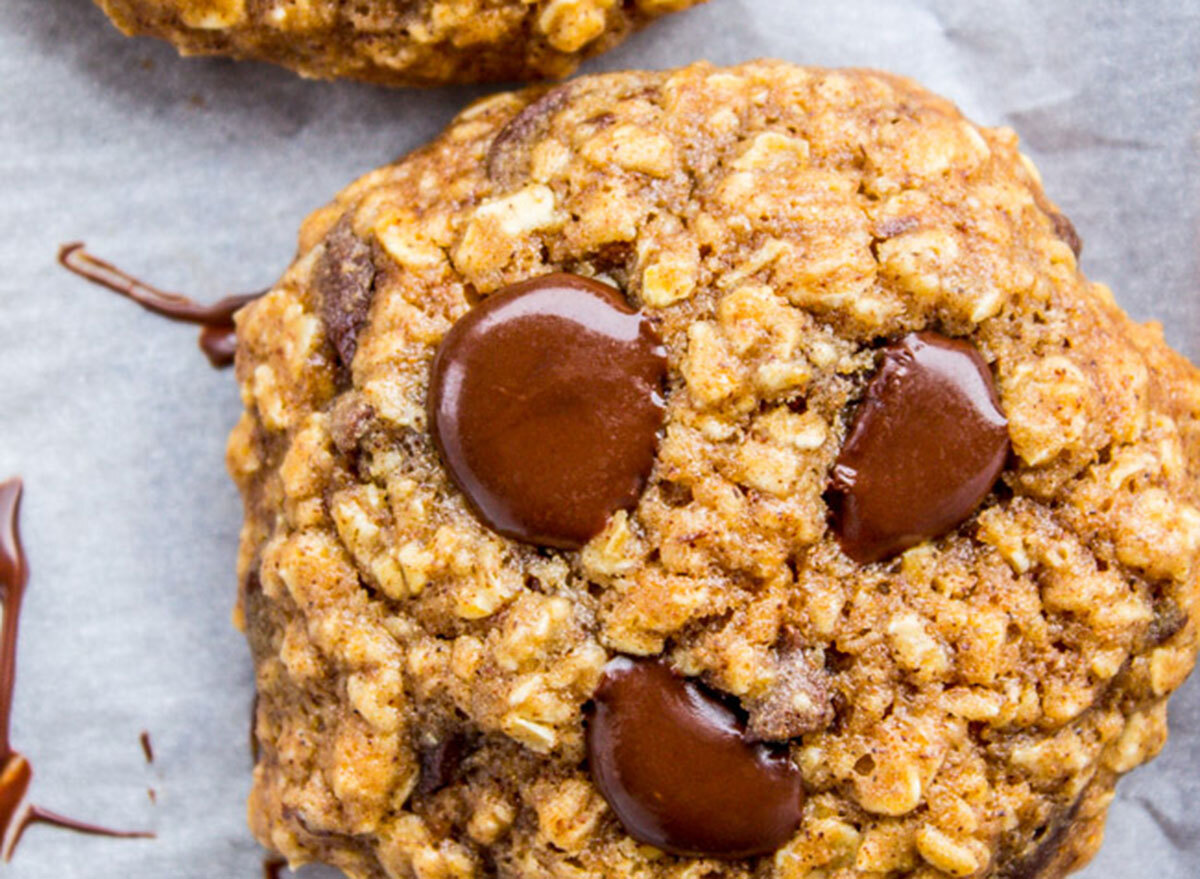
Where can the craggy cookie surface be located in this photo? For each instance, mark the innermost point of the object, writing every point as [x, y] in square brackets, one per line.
[396, 42]
[908, 579]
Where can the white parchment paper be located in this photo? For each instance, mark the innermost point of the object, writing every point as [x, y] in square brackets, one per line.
[196, 175]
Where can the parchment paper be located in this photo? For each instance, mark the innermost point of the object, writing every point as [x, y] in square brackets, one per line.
[196, 174]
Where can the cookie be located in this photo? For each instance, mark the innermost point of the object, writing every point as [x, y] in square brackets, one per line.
[707, 473]
[421, 42]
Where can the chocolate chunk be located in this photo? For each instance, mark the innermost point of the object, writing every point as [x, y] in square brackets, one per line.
[1169, 618]
[545, 406]
[894, 227]
[345, 279]
[1065, 229]
[349, 421]
[677, 768]
[1032, 863]
[797, 702]
[508, 155]
[440, 763]
[926, 446]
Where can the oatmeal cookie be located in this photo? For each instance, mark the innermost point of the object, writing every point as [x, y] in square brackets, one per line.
[397, 42]
[707, 473]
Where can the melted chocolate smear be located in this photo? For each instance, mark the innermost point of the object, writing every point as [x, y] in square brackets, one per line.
[16, 773]
[926, 446]
[217, 340]
[147, 746]
[273, 868]
[679, 771]
[545, 402]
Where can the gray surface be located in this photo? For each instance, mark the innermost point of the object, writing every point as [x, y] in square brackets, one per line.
[197, 173]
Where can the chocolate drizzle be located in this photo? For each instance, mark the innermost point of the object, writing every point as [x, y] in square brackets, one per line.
[38, 815]
[217, 340]
[16, 773]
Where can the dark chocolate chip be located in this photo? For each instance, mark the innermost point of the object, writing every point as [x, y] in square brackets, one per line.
[678, 770]
[1065, 229]
[925, 447]
[508, 156]
[345, 281]
[798, 700]
[1033, 861]
[1169, 618]
[545, 405]
[440, 763]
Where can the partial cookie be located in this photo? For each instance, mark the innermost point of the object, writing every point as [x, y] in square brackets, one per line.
[397, 42]
[707, 473]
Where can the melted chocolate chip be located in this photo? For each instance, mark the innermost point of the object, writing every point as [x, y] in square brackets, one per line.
[545, 405]
[675, 765]
[345, 281]
[926, 446]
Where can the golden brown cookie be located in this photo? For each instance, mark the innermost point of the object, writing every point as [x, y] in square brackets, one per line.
[901, 588]
[397, 42]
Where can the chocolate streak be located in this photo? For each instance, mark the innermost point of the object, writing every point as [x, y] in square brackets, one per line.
[16, 773]
[217, 340]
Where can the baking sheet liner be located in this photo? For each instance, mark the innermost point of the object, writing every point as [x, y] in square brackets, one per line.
[196, 174]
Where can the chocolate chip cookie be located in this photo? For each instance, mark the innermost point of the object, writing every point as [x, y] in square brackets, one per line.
[397, 42]
[707, 473]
